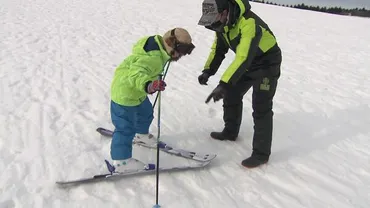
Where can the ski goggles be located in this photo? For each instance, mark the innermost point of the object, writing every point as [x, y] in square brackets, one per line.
[182, 48]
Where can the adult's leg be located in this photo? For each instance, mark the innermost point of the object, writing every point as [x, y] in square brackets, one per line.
[233, 110]
[262, 103]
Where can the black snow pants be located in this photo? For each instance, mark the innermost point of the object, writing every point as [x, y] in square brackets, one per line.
[263, 77]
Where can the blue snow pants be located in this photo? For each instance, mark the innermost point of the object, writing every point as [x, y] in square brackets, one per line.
[128, 120]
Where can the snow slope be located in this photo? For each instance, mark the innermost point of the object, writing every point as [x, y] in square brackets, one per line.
[57, 59]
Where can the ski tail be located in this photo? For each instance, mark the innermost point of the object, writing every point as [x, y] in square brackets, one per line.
[105, 132]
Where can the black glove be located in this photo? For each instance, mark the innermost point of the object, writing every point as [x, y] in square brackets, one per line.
[203, 78]
[218, 93]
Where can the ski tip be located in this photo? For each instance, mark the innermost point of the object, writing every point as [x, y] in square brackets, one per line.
[207, 158]
[156, 206]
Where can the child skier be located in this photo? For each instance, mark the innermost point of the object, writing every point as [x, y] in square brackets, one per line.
[135, 78]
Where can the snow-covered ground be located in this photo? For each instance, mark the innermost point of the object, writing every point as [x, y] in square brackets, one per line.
[57, 59]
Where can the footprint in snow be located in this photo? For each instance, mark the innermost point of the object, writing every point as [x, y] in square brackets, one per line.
[212, 112]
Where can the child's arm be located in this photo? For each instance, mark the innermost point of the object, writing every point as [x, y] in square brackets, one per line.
[143, 71]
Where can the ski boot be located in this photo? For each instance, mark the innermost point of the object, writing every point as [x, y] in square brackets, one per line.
[223, 136]
[130, 164]
[148, 139]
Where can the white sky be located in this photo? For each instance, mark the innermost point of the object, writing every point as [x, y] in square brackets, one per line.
[342, 3]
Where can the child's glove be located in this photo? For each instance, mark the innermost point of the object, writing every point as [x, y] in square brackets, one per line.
[156, 85]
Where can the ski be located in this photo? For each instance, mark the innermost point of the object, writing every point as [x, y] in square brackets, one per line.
[112, 175]
[167, 148]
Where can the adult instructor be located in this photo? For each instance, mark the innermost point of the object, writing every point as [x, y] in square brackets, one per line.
[256, 64]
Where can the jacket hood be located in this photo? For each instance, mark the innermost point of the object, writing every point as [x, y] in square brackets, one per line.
[243, 5]
[237, 8]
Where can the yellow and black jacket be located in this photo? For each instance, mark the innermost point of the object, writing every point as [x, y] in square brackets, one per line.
[250, 38]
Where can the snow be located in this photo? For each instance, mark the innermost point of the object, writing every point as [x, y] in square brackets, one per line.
[57, 59]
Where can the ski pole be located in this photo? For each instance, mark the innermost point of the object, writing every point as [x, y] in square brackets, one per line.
[164, 76]
[158, 137]
[158, 97]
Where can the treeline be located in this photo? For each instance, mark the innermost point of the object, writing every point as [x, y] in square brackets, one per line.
[333, 10]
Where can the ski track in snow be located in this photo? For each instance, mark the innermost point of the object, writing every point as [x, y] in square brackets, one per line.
[57, 59]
